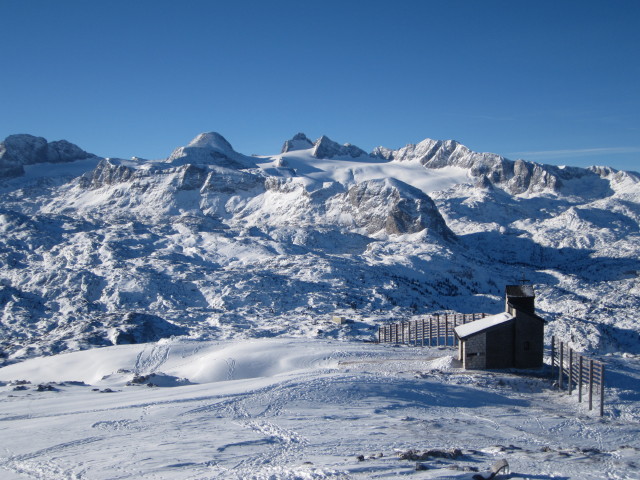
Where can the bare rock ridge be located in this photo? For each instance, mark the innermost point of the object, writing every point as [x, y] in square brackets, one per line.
[22, 149]
[488, 169]
[327, 148]
[298, 142]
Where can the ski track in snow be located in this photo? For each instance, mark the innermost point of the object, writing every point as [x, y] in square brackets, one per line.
[152, 361]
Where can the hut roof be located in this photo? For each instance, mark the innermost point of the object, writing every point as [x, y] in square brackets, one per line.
[471, 328]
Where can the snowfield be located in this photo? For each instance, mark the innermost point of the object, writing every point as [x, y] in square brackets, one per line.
[287, 408]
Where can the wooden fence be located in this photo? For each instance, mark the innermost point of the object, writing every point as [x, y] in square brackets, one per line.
[434, 330]
[577, 371]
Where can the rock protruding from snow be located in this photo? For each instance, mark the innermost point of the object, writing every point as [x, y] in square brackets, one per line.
[23, 149]
[395, 207]
[327, 148]
[298, 142]
[143, 328]
[108, 172]
[210, 149]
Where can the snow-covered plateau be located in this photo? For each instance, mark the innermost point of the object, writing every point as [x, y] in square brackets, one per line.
[218, 273]
[295, 408]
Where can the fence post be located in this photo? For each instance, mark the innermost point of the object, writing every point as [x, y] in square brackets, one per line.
[560, 365]
[553, 353]
[570, 369]
[580, 380]
[422, 332]
[446, 331]
[415, 333]
[590, 384]
[455, 324]
[601, 389]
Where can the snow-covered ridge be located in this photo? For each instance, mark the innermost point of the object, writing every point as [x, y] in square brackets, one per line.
[516, 177]
[216, 244]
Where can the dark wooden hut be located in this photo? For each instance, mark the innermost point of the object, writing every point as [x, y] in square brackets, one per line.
[512, 339]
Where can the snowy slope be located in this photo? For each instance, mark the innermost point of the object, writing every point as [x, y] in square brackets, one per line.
[300, 409]
[214, 244]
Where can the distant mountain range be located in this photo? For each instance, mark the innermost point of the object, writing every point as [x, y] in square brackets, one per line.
[212, 243]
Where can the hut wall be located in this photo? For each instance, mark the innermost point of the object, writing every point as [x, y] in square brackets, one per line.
[529, 340]
[475, 352]
[500, 348]
[525, 304]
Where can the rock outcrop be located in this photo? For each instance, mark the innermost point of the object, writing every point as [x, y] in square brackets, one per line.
[327, 148]
[298, 142]
[394, 207]
[19, 150]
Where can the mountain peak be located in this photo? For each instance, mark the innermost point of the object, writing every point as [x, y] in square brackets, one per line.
[210, 148]
[211, 140]
[298, 142]
[327, 148]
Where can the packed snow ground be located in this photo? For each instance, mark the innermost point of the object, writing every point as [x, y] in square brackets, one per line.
[285, 408]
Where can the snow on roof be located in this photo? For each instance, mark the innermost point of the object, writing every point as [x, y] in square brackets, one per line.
[468, 329]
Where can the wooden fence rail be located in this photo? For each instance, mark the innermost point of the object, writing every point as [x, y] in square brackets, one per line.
[577, 371]
[434, 330]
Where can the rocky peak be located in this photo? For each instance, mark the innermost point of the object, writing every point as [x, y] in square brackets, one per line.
[23, 149]
[327, 148]
[213, 141]
[298, 142]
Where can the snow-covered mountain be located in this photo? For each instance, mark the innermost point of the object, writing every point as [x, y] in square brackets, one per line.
[216, 244]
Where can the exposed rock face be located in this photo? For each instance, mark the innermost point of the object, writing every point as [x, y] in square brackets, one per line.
[108, 172]
[225, 180]
[207, 178]
[298, 142]
[395, 207]
[327, 148]
[143, 328]
[19, 150]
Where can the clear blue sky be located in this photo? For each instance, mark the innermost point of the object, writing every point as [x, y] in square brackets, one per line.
[549, 81]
